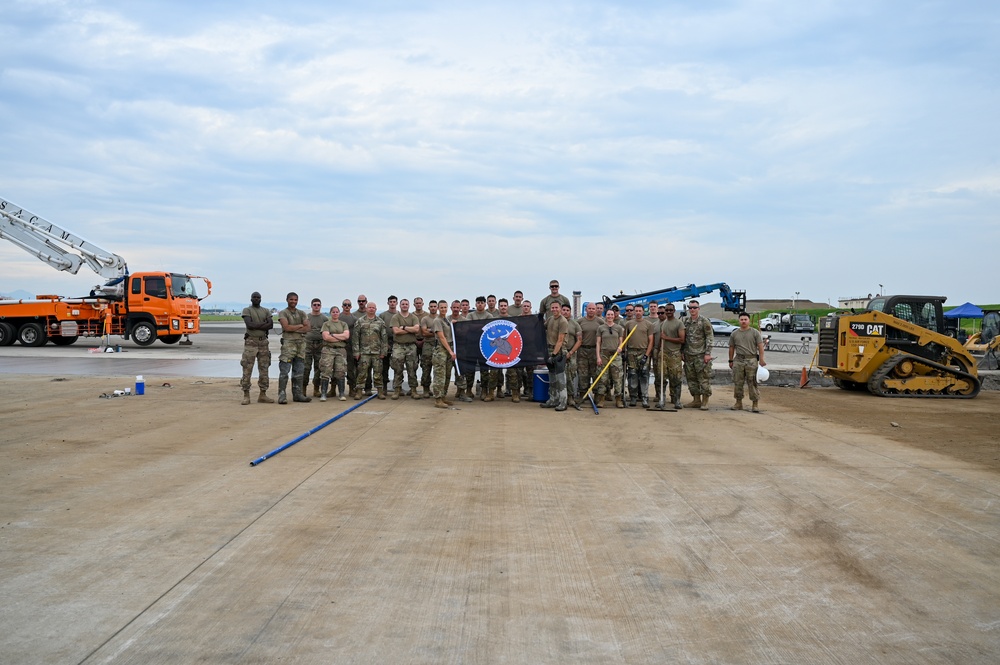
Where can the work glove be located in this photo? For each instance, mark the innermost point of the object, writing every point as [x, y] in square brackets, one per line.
[642, 361]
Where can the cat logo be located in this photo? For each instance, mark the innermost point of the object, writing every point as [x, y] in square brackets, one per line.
[863, 329]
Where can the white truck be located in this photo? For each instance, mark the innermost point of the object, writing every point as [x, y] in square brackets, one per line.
[787, 322]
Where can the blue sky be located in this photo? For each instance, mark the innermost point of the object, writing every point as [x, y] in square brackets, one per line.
[449, 149]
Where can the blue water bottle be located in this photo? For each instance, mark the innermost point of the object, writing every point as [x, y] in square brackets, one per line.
[140, 385]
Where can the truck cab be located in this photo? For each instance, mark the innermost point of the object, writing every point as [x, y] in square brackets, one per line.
[161, 305]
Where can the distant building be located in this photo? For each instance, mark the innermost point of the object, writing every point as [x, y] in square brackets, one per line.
[859, 302]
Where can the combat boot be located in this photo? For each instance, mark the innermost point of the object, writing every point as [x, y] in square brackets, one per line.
[395, 393]
[414, 394]
[262, 398]
[695, 402]
[357, 393]
[282, 384]
[704, 403]
[754, 408]
[645, 402]
[246, 398]
[379, 393]
[440, 403]
[341, 384]
[515, 397]
[316, 392]
[600, 401]
[298, 395]
[738, 406]
[619, 402]
[488, 396]
[324, 387]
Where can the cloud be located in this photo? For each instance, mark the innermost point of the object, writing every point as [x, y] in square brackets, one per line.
[345, 146]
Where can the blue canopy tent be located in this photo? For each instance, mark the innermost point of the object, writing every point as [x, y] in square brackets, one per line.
[964, 311]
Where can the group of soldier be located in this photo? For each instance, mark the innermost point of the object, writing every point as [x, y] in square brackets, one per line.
[603, 353]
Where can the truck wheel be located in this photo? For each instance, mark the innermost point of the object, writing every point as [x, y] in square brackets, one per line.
[768, 327]
[63, 341]
[171, 339]
[31, 334]
[6, 334]
[143, 333]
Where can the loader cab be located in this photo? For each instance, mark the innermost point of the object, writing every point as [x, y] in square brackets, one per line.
[924, 311]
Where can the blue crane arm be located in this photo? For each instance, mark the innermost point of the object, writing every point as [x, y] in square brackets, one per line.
[732, 301]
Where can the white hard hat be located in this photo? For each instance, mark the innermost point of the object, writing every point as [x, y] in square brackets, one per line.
[762, 374]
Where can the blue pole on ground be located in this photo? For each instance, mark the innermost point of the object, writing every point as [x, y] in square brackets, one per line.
[310, 432]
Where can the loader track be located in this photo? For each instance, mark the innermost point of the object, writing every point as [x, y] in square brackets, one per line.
[915, 384]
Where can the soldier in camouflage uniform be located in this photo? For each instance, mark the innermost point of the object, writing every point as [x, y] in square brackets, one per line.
[294, 326]
[555, 338]
[427, 349]
[610, 337]
[698, 339]
[333, 359]
[672, 337]
[746, 348]
[497, 374]
[574, 338]
[545, 306]
[386, 317]
[587, 370]
[638, 350]
[347, 317]
[314, 345]
[444, 352]
[405, 327]
[371, 343]
[480, 314]
[255, 349]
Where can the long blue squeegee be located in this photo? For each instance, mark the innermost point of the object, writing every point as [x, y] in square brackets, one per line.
[310, 432]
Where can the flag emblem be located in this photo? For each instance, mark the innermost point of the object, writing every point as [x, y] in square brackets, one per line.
[501, 343]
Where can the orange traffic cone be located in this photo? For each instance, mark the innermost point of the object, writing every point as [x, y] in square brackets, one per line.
[805, 378]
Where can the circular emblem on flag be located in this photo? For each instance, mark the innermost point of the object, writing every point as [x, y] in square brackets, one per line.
[501, 343]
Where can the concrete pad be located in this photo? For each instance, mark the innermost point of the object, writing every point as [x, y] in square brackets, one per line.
[134, 530]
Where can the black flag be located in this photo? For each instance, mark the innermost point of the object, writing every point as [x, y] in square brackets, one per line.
[500, 343]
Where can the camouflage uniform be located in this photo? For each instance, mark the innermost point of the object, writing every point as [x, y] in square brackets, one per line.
[558, 393]
[586, 363]
[293, 351]
[547, 301]
[635, 352]
[404, 354]
[314, 350]
[427, 355]
[386, 317]
[746, 348]
[611, 337]
[442, 360]
[352, 367]
[572, 380]
[333, 358]
[671, 360]
[698, 343]
[255, 348]
[655, 371]
[370, 341]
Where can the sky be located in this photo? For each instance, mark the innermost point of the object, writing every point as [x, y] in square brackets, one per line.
[455, 149]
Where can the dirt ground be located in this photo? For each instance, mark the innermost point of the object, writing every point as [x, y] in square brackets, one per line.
[133, 529]
[968, 430]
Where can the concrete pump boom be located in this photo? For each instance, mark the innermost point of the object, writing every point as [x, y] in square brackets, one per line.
[59, 248]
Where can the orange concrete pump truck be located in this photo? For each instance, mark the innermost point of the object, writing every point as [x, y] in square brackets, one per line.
[145, 306]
